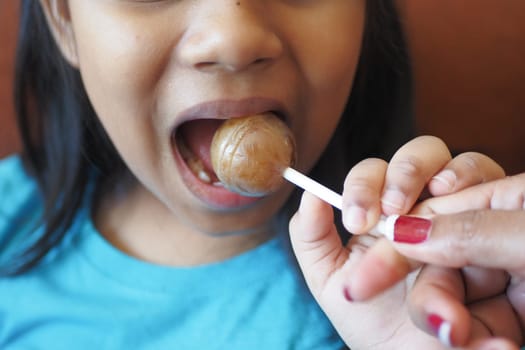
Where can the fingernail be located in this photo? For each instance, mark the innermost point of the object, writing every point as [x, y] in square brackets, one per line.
[355, 218]
[347, 295]
[411, 229]
[394, 198]
[440, 328]
[447, 177]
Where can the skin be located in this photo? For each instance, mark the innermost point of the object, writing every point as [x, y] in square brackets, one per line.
[367, 264]
[476, 272]
[144, 63]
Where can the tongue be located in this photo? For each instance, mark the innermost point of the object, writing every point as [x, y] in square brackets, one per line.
[198, 135]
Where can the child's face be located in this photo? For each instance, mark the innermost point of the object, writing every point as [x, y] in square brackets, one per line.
[151, 66]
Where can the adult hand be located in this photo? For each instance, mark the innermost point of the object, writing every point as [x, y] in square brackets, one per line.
[475, 285]
[374, 187]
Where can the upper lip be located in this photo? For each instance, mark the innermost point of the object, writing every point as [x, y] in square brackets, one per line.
[228, 108]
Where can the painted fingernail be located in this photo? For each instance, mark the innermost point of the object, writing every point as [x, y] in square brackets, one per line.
[347, 295]
[407, 229]
[440, 328]
[394, 198]
[355, 218]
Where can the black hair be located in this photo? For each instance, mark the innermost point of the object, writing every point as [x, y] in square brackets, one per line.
[64, 144]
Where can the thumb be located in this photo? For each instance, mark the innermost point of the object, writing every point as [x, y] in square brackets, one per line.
[316, 242]
[484, 238]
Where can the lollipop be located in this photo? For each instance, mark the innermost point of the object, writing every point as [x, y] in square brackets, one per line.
[250, 154]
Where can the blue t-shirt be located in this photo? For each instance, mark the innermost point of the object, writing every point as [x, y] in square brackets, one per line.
[86, 294]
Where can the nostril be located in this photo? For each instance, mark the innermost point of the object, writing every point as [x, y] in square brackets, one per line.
[204, 65]
[230, 67]
[261, 60]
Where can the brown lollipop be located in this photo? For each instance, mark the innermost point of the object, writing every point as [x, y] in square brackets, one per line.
[249, 154]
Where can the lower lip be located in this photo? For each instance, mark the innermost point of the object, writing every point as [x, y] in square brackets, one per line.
[216, 197]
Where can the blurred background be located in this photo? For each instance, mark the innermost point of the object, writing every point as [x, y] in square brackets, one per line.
[8, 32]
[469, 68]
[469, 63]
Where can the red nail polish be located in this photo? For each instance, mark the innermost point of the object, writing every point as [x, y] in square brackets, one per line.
[411, 229]
[434, 322]
[347, 295]
[440, 328]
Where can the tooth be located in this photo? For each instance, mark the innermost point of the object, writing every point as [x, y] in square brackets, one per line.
[197, 167]
[203, 175]
[195, 164]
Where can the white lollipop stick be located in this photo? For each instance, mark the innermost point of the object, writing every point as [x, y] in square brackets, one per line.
[386, 224]
[315, 188]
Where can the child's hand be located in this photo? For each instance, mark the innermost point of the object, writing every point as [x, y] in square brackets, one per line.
[328, 265]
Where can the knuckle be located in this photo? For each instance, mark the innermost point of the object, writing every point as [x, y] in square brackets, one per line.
[480, 167]
[469, 165]
[466, 231]
[358, 186]
[410, 167]
[359, 179]
[508, 194]
[471, 161]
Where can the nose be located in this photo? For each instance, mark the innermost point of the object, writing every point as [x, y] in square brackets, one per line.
[230, 38]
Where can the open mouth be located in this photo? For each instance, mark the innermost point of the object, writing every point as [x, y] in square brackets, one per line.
[193, 140]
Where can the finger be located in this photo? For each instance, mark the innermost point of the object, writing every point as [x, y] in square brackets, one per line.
[494, 317]
[361, 196]
[483, 238]
[506, 194]
[516, 295]
[380, 268]
[316, 242]
[481, 283]
[492, 314]
[436, 305]
[409, 170]
[467, 169]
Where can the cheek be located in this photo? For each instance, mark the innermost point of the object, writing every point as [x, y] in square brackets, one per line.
[120, 73]
[330, 62]
[330, 44]
[120, 77]
[120, 101]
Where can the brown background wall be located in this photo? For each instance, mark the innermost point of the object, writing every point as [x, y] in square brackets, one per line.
[8, 32]
[469, 65]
